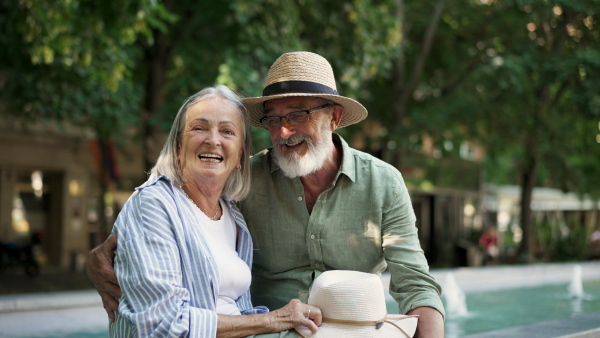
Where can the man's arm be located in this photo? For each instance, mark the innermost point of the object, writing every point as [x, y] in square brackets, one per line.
[101, 272]
[431, 322]
[415, 289]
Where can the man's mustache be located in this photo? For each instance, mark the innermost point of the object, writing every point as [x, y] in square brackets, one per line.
[292, 140]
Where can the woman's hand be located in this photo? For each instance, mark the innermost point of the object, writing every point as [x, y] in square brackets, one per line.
[295, 314]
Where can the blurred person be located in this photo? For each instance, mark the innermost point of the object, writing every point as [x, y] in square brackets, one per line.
[184, 251]
[316, 204]
[488, 242]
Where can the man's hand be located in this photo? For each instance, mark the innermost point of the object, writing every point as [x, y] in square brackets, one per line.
[101, 272]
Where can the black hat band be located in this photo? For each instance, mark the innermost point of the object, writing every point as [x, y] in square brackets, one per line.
[286, 87]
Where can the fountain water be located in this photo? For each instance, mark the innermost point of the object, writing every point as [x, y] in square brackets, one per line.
[455, 304]
[576, 286]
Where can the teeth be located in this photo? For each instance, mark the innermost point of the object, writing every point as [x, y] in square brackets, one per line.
[293, 144]
[210, 158]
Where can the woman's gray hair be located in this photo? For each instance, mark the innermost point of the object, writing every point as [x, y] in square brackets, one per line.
[237, 185]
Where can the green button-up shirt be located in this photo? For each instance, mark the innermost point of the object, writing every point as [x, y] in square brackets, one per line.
[363, 222]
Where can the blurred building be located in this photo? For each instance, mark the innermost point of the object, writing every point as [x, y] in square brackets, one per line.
[70, 186]
[557, 215]
[445, 181]
[64, 183]
[446, 193]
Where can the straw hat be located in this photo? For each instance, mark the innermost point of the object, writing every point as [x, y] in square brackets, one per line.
[303, 74]
[353, 305]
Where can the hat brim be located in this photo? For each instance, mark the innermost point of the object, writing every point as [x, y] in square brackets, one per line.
[408, 324]
[354, 112]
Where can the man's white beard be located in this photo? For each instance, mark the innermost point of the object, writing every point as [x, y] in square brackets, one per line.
[294, 165]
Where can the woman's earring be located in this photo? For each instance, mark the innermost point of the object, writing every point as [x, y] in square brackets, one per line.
[239, 166]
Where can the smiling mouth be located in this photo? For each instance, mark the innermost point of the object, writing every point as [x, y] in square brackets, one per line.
[210, 158]
[293, 144]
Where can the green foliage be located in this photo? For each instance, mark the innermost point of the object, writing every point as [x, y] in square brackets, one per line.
[73, 34]
[358, 38]
[564, 242]
[499, 73]
[533, 86]
[69, 61]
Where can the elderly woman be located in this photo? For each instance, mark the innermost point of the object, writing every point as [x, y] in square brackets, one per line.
[184, 251]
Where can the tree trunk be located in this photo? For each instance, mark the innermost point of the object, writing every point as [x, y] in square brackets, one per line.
[158, 58]
[527, 184]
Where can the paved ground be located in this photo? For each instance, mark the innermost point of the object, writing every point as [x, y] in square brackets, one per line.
[49, 304]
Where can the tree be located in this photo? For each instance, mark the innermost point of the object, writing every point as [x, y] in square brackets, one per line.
[538, 83]
[70, 62]
[67, 61]
[132, 63]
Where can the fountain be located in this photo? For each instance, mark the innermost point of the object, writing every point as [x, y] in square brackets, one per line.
[454, 297]
[576, 287]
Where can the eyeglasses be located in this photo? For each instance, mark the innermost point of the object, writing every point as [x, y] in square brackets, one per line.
[295, 118]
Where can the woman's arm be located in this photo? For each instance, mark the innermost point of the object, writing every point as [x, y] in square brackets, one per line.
[152, 264]
[167, 283]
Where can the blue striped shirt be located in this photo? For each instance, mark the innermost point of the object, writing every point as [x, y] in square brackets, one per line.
[166, 271]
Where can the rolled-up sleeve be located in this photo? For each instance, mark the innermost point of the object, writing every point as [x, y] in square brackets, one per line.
[411, 285]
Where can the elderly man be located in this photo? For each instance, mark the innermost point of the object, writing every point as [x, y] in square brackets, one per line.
[316, 204]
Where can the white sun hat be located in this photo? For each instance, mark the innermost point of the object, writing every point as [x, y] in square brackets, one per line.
[303, 74]
[352, 304]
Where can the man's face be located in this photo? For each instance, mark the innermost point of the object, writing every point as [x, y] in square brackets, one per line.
[302, 149]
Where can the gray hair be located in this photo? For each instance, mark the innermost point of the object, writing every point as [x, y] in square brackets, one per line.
[237, 185]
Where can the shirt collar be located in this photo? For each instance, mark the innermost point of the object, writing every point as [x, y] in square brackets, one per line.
[347, 168]
[153, 179]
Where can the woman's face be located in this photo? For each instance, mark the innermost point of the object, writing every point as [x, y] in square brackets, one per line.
[212, 141]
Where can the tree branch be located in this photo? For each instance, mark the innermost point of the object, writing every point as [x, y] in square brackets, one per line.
[404, 90]
[559, 93]
[425, 49]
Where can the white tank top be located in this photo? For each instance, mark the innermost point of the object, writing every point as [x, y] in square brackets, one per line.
[235, 275]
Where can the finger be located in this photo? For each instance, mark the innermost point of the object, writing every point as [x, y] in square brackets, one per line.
[110, 244]
[111, 288]
[311, 325]
[316, 316]
[110, 313]
[109, 301]
[107, 260]
[111, 283]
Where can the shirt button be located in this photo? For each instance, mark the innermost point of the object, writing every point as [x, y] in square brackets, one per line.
[312, 236]
[300, 198]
